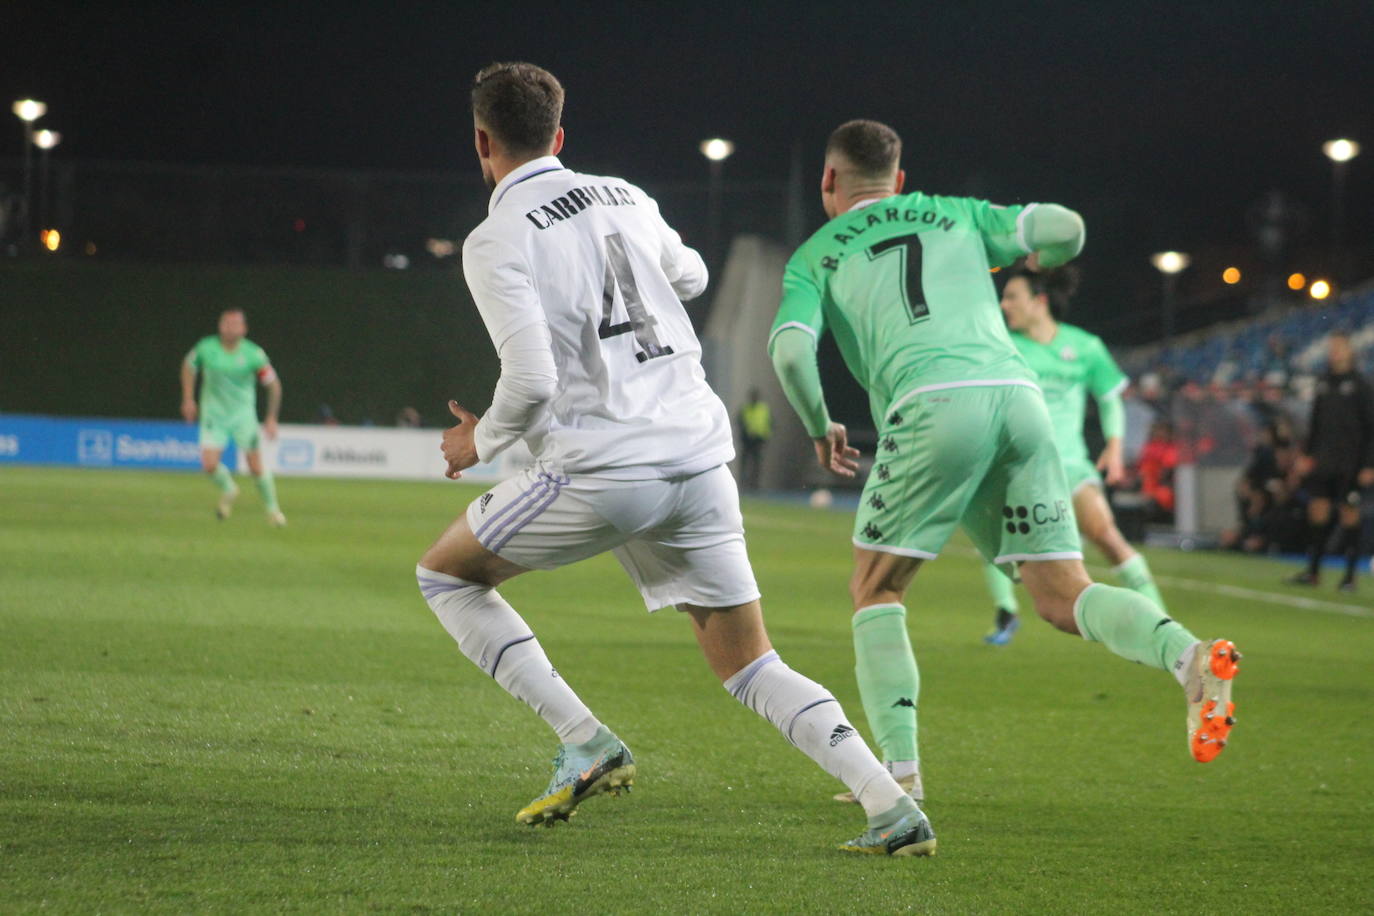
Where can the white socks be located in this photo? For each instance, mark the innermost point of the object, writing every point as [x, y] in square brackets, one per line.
[497, 640]
[810, 718]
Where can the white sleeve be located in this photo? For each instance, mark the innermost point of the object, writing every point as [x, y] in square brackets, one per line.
[683, 266]
[528, 379]
[501, 287]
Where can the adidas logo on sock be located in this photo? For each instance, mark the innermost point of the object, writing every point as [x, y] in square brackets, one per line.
[841, 732]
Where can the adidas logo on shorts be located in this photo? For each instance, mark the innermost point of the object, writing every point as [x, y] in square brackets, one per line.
[482, 503]
[841, 732]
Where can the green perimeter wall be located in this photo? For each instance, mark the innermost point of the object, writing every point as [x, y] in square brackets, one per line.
[94, 339]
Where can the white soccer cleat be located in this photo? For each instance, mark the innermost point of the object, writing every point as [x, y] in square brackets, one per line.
[276, 519]
[225, 507]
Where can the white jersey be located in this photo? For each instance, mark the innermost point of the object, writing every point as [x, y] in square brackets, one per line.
[591, 258]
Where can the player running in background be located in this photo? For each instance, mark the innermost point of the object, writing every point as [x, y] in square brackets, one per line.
[903, 283]
[1068, 363]
[578, 280]
[1338, 459]
[231, 366]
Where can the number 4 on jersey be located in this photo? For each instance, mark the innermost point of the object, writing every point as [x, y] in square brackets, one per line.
[619, 276]
[908, 255]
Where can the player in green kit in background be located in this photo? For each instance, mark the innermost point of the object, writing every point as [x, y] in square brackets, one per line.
[1070, 363]
[231, 366]
[902, 282]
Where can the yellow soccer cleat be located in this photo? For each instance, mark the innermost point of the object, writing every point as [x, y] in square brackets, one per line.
[580, 771]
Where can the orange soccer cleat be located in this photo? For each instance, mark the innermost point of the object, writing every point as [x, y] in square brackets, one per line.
[1210, 710]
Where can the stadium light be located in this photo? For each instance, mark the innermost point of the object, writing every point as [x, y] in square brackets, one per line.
[46, 139]
[717, 149]
[1231, 276]
[51, 239]
[1320, 289]
[28, 111]
[1296, 282]
[1341, 150]
[1170, 264]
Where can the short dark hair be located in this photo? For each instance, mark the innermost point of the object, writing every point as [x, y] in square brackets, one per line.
[518, 103]
[1058, 286]
[872, 147]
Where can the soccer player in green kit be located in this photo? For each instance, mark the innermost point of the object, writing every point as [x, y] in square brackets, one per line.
[1069, 363]
[231, 366]
[902, 281]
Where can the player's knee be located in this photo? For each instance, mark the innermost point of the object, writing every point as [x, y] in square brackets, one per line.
[437, 587]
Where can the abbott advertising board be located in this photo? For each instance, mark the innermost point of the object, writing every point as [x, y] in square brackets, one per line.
[361, 451]
[303, 451]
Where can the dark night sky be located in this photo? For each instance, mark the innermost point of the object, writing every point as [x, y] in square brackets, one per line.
[1161, 121]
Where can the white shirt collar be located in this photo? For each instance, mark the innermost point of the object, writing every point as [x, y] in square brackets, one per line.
[519, 174]
[863, 203]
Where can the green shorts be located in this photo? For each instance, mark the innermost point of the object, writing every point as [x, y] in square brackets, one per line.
[243, 429]
[1079, 472]
[982, 457]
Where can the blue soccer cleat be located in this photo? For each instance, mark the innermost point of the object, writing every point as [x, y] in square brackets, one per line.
[603, 764]
[1004, 627]
[902, 831]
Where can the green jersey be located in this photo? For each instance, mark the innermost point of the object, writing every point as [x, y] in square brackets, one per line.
[229, 378]
[904, 285]
[1069, 367]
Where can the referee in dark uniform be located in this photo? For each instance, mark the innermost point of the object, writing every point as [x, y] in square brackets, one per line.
[1338, 460]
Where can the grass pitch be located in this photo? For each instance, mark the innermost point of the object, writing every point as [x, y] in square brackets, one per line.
[225, 717]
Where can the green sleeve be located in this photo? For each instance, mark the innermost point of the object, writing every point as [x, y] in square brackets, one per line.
[801, 300]
[1106, 381]
[998, 226]
[793, 350]
[1054, 231]
[1112, 413]
[193, 357]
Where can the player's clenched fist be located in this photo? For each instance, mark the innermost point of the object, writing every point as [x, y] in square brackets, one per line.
[460, 451]
[189, 411]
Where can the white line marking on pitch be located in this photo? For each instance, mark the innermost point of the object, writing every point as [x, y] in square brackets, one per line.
[1195, 585]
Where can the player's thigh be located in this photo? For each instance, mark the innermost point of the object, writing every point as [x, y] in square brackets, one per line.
[932, 452]
[214, 436]
[542, 519]
[1098, 525]
[246, 432]
[690, 550]
[1022, 510]
[457, 552]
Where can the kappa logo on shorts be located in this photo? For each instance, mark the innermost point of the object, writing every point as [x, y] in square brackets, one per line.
[877, 502]
[482, 503]
[882, 472]
[889, 444]
[872, 532]
[841, 732]
[895, 419]
[1036, 515]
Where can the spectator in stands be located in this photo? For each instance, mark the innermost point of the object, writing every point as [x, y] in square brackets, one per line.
[1264, 492]
[756, 428]
[324, 416]
[1158, 459]
[408, 418]
[1338, 460]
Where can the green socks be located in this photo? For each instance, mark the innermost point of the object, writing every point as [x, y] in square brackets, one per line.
[1131, 625]
[1001, 587]
[267, 489]
[1135, 575]
[223, 479]
[889, 683]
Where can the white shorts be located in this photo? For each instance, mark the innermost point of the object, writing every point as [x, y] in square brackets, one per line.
[681, 540]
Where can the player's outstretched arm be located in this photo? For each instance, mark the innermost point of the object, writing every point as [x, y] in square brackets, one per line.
[793, 351]
[1112, 414]
[269, 422]
[1054, 235]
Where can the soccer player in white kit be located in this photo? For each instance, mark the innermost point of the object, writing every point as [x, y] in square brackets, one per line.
[579, 281]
